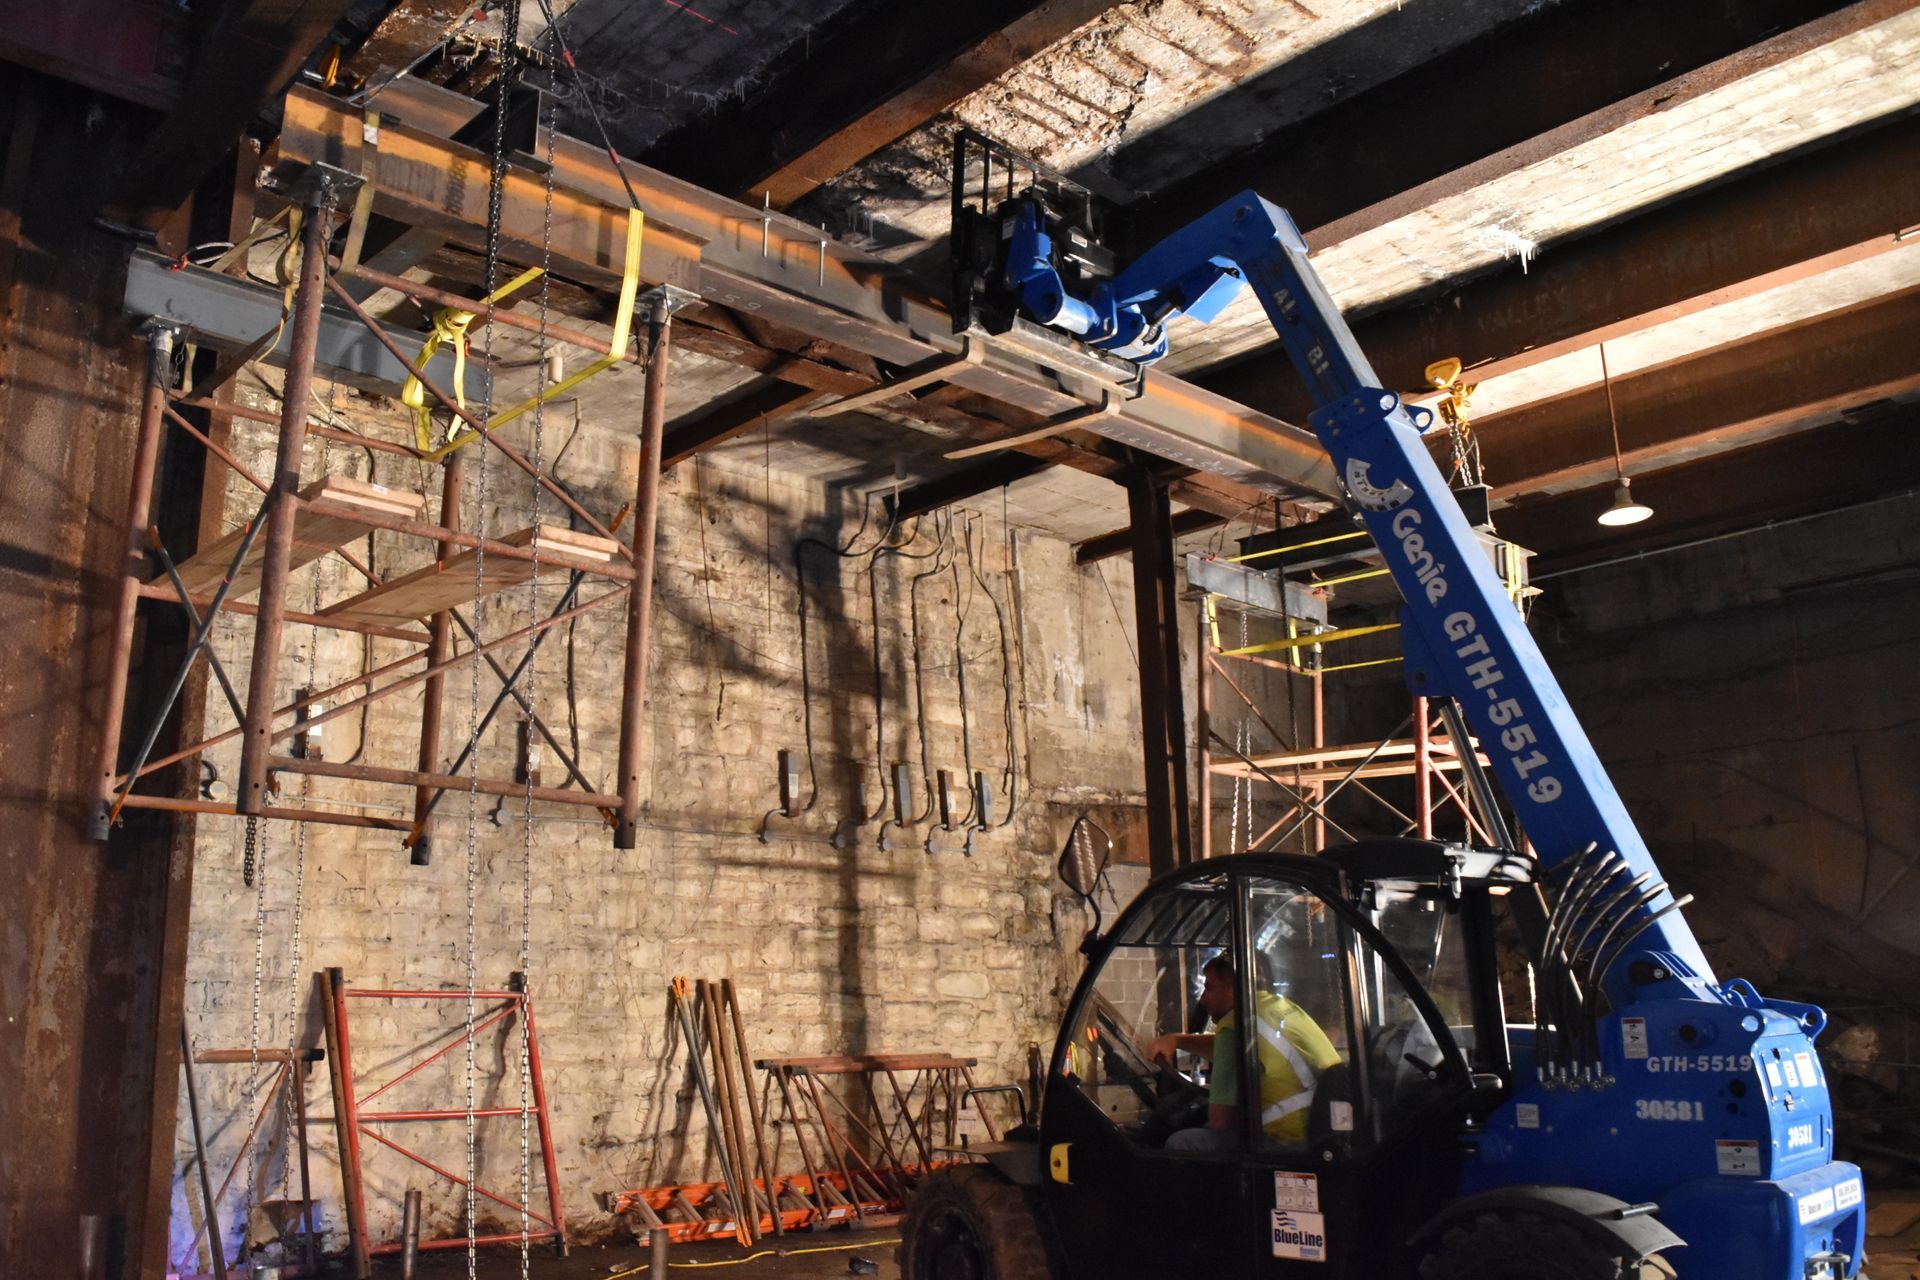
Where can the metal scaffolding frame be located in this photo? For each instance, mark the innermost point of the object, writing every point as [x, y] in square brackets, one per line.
[262, 726]
[1308, 774]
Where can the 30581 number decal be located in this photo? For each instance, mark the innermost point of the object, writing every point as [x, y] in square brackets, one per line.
[1668, 1109]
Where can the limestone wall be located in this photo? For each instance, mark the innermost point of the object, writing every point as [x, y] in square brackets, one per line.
[835, 947]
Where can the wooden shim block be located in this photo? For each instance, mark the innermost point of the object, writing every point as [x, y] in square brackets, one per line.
[590, 545]
[313, 536]
[551, 538]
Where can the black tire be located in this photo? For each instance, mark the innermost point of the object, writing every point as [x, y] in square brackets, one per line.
[967, 1222]
[1522, 1246]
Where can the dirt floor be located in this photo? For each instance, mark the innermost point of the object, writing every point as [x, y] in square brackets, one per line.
[1893, 1251]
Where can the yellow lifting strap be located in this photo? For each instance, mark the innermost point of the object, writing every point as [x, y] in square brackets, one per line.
[617, 346]
[450, 327]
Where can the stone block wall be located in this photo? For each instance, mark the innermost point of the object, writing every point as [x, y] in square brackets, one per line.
[835, 944]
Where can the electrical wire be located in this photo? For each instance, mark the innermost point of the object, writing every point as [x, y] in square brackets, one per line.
[764, 1253]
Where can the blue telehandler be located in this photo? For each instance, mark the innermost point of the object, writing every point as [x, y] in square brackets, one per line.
[1385, 1119]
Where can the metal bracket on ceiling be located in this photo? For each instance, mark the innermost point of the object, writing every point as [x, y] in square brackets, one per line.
[675, 298]
[318, 184]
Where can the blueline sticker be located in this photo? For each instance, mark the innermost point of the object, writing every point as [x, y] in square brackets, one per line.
[1300, 1236]
[1737, 1157]
[1296, 1191]
[1527, 1115]
[1633, 1037]
[1793, 1075]
[1773, 1073]
[1816, 1206]
[1809, 1076]
[1847, 1194]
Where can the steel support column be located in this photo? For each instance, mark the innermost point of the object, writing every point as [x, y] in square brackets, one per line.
[646, 518]
[1163, 728]
[440, 627]
[127, 590]
[1203, 729]
[1423, 767]
[276, 558]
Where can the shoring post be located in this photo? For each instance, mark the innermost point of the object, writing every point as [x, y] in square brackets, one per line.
[440, 628]
[646, 519]
[277, 557]
[1422, 768]
[1319, 789]
[1156, 617]
[1203, 731]
[146, 454]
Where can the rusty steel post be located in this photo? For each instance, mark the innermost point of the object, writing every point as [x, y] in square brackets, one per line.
[277, 557]
[1203, 735]
[1319, 744]
[146, 455]
[1422, 769]
[440, 627]
[646, 520]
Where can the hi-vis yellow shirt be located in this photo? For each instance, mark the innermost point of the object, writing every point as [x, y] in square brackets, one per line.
[1293, 1053]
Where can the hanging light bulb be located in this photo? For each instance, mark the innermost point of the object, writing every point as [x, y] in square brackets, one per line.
[1625, 509]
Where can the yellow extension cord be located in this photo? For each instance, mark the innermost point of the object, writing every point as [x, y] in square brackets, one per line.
[765, 1253]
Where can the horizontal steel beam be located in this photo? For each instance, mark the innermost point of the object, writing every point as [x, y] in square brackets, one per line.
[1254, 588]
[772, 267]
[231, 315]
[1785, 380]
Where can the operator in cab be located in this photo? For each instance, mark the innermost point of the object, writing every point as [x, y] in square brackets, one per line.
[1293, 1053]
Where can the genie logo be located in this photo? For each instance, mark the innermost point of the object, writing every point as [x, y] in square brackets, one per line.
[1370, 496]
[1301, 1236]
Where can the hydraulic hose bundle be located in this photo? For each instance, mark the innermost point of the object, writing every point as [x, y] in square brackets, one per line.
[1597, 900]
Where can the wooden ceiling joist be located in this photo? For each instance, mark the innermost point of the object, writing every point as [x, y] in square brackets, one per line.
[1727, 398]
[1810, 213]
[886, 77]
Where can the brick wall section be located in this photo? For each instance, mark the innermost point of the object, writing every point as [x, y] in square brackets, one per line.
[833, 949]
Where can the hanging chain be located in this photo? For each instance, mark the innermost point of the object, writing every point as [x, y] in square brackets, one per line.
[533, 669]
[503, 89]
[289, 1116]
[247, 860]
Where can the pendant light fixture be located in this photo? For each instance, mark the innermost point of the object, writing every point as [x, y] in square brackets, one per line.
[1625, 509]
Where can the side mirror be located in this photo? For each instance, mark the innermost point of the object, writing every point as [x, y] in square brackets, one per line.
[1083, 862]
[1083, 865]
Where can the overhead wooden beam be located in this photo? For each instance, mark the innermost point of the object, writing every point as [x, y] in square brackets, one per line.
[1501, 103]
[768, 402]
[135, 50]
[1818, 470]
[252, 52]
[1119, 542]
[885, 78]
[1782, 381]
[971, 482]
[1815, 211]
